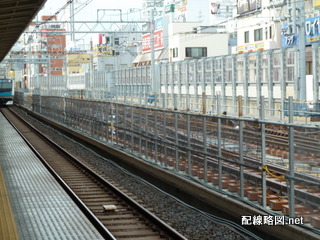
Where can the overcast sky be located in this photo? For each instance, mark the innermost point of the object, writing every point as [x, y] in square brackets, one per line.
[86, 10]
[89, 7]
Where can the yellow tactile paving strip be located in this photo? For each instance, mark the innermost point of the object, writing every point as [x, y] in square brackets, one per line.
[8, 230]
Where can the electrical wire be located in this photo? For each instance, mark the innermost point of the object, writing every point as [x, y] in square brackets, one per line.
[266, 169]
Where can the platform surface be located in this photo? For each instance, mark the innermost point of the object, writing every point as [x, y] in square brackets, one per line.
[33, 204]
[8, 228]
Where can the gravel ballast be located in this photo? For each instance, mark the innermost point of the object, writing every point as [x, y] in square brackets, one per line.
[186, 220]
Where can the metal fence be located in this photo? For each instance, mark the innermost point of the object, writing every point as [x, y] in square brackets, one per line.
[208, 85]
[94, 85]
[208, 149]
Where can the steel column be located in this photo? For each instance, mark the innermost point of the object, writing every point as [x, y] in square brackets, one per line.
[219, 153]
[263, 152]
[179, 105]
[315, 67]
[245, 82]
[189, 144]
[195, 85]
[204, 132]
[234, 84]
[282, 82]
[241, 172]
[187, 85]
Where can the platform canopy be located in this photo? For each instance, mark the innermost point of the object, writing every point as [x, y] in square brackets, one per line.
[15, 15]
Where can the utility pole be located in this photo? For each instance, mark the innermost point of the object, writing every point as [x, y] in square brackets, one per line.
[72, 20]
[153, 75]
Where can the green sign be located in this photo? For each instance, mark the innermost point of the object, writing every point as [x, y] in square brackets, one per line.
[169, 8]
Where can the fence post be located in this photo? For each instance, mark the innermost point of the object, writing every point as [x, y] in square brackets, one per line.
[218, 104]
[291, 159]
[240, 106]
[204, 99]
[263, 152]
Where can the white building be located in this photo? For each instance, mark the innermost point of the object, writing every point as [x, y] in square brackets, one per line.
[187, 43]
[115, 50]
[182, 32]
[259, 23]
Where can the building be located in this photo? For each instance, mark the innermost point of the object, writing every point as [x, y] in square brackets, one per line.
[78, 62]
[260, 23]
[52, 46]
[221, 11]
[116, 50]
[182, 32]
[187, 41]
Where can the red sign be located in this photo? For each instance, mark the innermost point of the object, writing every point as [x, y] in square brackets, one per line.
[215, 8]
[158, 41]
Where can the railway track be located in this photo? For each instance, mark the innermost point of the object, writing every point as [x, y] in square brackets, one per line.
[276, 181]
[116, 215]
[156, 140]
[163, 148]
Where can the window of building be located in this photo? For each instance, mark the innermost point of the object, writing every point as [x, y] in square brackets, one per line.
[258, 34]
[55, 26]
[270, 32]
[266, 33]
[175, 52]
[196, 52]
[109, 67]
[246, 37]
[309, 68]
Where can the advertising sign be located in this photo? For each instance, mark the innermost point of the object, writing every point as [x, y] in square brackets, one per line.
[312, 33]
[159, 23]
[288, 39]
[316, 4]
[215, 8]
[156, 6]
[312, 30]
[169, 8]
[158, 41]
[250, 47]
[180, 9]
[244, 6]
[103, 50]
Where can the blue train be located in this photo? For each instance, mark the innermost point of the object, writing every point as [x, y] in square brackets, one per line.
[6, 91]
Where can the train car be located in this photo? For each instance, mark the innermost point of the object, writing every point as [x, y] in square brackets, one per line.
[6, 91]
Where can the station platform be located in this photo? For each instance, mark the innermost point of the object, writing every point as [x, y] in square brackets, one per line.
[32, 204]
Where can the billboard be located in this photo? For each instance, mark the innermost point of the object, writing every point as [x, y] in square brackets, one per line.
[312, 26]
[169, 8]
[250, 47]
[316, 4]
[158, 41]
[244, 6]
[158, 23]
[180, 9]
[156, 6]
[103, 50]
[312, 33]
[215, 8]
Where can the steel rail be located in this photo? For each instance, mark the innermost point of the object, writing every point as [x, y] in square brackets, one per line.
[169, 231]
